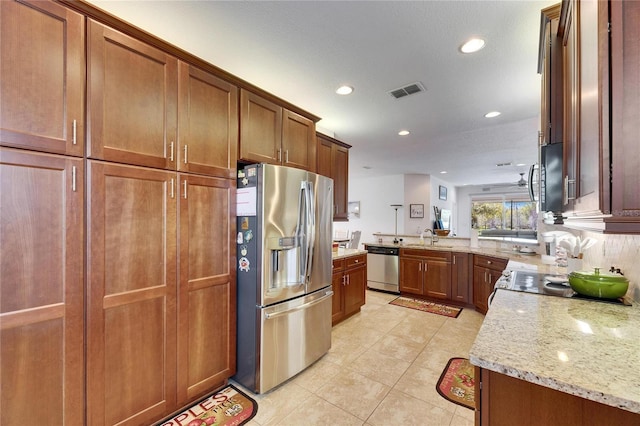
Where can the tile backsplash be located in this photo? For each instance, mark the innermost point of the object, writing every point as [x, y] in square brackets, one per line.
[620, 251]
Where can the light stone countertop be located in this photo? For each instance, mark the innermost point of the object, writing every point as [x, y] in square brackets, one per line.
[343, 252]
[584, 348]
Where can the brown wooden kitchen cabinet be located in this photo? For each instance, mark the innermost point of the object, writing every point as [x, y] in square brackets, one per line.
[333, 162]
[550, 69]
[132, 100]
[500, 399]
[42, 91]
[349, 282]
[426, 272]
[600, 115]
[272, 134]
[486, 271]
[207, 123]
[132, 293]
[461, 273]
[206, 350]
[41, 287]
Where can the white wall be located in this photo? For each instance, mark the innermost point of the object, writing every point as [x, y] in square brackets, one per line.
[377, 194]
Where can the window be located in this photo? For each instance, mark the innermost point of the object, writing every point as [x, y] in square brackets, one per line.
[510, 217]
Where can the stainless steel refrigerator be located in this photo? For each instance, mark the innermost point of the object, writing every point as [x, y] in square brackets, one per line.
[285, 228]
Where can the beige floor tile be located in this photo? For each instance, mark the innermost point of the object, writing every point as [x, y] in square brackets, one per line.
[417, 330]
[275, 405]
[465, 413]
[434, 359]
[317, 411]
[399, 347]
[317, 375]
[461, 421]
[398, 408]
[420, 383]
[379, 366]
[354, 393]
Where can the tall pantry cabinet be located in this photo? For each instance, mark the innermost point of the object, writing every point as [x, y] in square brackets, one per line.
[41, 213]
[147, 211]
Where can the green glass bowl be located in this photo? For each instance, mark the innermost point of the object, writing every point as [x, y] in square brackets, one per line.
[599, 284]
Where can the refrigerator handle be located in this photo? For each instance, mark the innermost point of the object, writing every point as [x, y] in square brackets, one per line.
[311, 229]
[532, 170]
[327, 295]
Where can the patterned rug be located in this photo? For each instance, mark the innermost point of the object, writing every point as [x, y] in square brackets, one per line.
[456, 383]
[423, 305]
[229, 407]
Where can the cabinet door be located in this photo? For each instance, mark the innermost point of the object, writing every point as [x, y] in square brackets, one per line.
[132, 100]
[42, 77]
[131, 301]
[460, 278]
[625, 80]
[298, 141]
[206, 295]
[207, 123]
[260, 129]
[481, 288]
[437, 279]
[354, 289]
[411, 275]
[41, 288]
[338, 281]
[324, 164]
[341, 182]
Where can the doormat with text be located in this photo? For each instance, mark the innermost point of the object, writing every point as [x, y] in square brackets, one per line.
[457, 384]
[423, 305]
[229, 407]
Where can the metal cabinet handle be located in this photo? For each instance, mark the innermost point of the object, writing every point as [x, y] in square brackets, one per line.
[172, 187]
[184, 186]
[568, 182]
[171, 151]
[74, 174]
[279, 155]
[74, 132]
[185, 154]
[286, 156]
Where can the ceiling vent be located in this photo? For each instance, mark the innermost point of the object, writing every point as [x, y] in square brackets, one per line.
[407, 90]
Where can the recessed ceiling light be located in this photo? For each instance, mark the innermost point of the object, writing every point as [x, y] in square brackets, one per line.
[344, 90]
[472, 45]
[403, 132]
[492, 114]
[521, 164]
[444, 172]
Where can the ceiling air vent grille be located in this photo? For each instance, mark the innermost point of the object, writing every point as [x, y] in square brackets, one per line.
[407, 90]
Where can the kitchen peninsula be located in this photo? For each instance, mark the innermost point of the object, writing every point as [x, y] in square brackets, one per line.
[554, 360]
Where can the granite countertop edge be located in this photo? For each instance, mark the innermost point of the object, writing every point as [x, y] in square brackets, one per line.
[527, 351]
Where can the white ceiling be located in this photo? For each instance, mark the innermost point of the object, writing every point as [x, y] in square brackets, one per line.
[301, 51]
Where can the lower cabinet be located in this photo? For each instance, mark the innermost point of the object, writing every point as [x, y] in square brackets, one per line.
[461, 273]
[157, 337]
[486, 271]
[349, 283]
[426, 273]
[500, 399]
[41, 288]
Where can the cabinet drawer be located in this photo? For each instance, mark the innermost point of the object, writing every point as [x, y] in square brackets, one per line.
[489, 262]
[353, 261]
[338, 265]
[425, 253]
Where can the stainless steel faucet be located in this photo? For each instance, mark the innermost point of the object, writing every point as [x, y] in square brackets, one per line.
[434, 237]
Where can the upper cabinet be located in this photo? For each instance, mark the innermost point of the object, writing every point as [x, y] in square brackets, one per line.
[601, 114]
[42, 86]
[207, 123]
[550, 68]
[333, 162]
[149, 109]
[272, 134]
[132, 100]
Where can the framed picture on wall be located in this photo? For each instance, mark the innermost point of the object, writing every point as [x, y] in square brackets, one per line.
[443, 192]
[416, 210]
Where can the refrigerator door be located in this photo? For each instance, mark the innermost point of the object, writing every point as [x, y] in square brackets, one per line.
[321, 256]
[283, 194]
[295, 334]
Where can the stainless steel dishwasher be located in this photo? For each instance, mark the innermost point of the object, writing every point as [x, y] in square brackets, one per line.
[383, 268]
